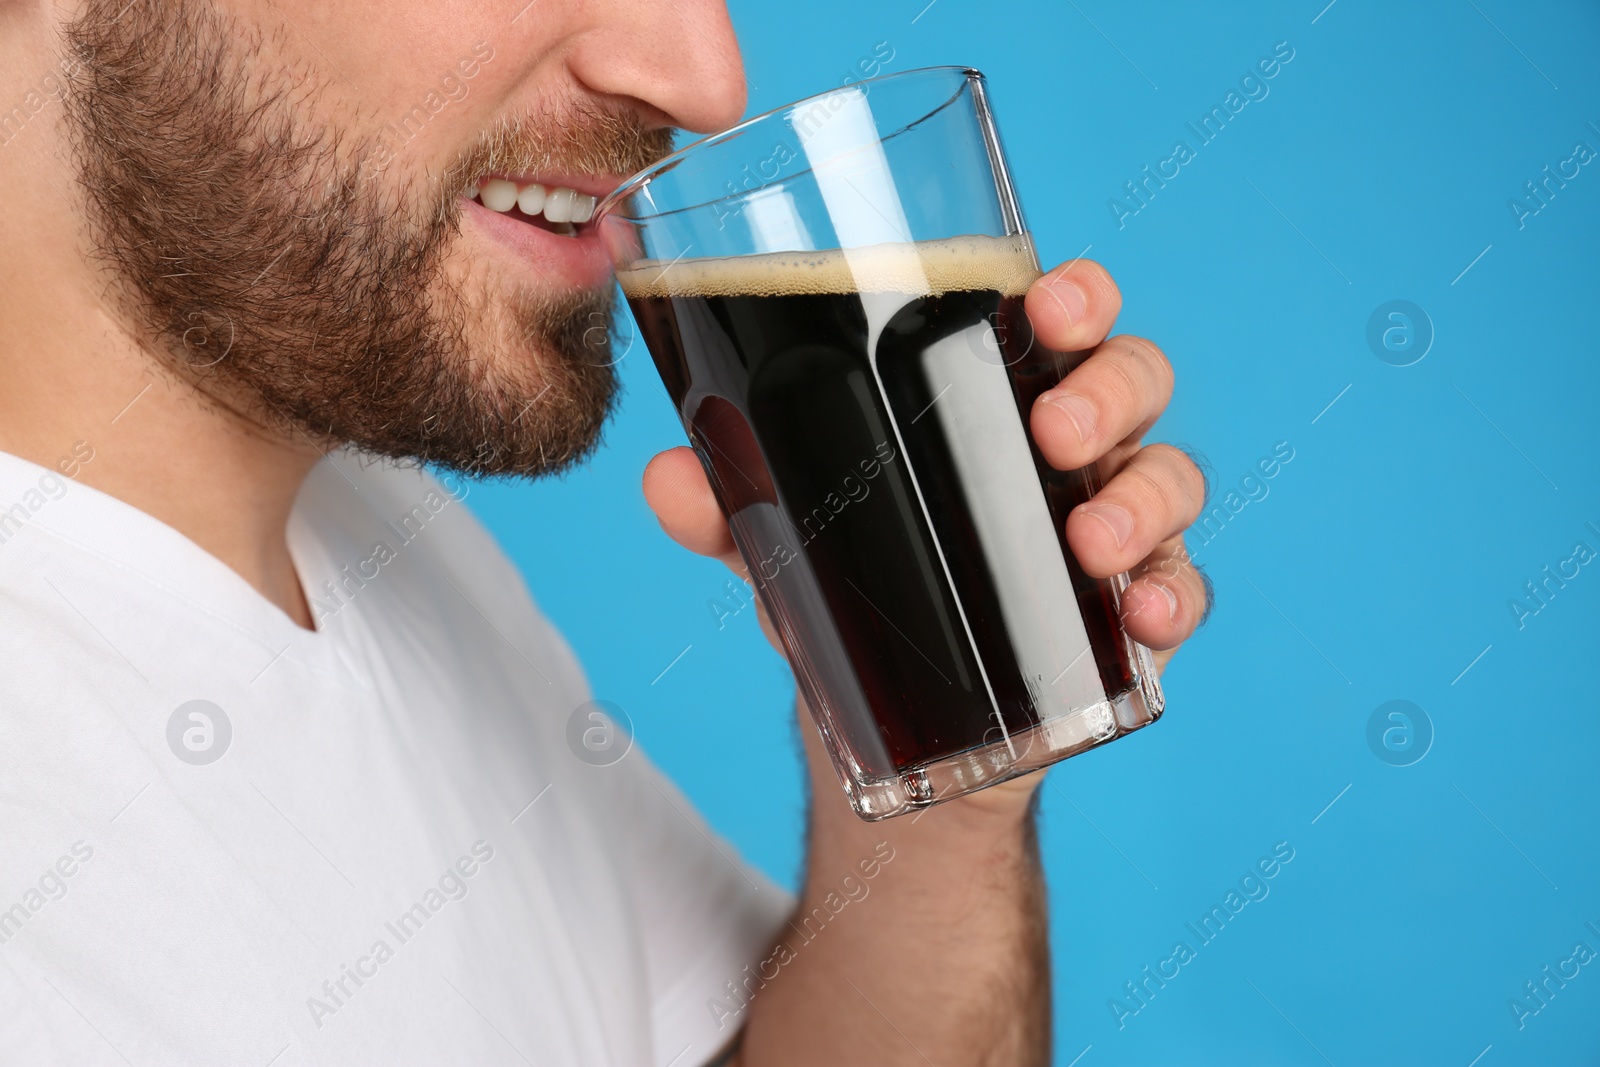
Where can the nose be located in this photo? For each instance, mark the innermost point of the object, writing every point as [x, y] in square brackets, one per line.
[679, 58]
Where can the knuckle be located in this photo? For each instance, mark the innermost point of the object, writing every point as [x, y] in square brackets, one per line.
[1145, 489]
[1119, 383]
[1181, 474]
[1162, 486]
[1161, 465]
[1151, 360]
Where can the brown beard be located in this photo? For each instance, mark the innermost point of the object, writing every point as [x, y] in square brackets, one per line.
[284, 278]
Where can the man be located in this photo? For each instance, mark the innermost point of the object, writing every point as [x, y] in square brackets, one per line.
[286, 775]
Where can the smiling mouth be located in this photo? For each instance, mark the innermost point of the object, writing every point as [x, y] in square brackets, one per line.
[555, 209]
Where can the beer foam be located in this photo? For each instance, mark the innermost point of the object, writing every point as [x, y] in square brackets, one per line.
[925, 268]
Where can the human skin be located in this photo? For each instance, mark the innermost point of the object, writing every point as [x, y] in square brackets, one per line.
[948, 959]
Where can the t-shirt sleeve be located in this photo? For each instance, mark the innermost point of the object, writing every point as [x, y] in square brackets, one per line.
[705, 916]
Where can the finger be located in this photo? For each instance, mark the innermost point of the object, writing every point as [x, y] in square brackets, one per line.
[1157, 495]
[1072, 307]
[1164, 604]
[676, 489]
[1118, 392]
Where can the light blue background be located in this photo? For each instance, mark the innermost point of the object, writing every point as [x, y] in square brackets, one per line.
[1379, 566]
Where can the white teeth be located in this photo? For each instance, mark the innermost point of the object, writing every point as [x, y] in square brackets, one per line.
[565, 208]
[498, 195]
[531, 200]
[558, 206]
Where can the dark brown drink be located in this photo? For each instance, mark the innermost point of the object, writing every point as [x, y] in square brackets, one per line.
[916, 549]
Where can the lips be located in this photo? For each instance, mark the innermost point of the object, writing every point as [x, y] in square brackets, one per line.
[546, 223]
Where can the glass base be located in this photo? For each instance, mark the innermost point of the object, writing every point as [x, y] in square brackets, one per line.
[1049, 742]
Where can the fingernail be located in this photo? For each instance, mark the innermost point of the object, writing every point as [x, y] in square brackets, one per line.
[1172, 601]
[1072, 299]
[1116, 518]
[1141, 602]
[1079, 410]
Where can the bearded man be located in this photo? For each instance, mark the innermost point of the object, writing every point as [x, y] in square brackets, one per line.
[285, 777]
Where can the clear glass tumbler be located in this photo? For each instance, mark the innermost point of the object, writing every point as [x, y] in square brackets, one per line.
[832, 293]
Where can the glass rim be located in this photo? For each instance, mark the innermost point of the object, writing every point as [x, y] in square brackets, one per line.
[632, 184]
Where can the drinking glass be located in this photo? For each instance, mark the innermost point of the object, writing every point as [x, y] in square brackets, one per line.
[833, 295]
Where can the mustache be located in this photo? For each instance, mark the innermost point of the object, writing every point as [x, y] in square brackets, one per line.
[578, 137]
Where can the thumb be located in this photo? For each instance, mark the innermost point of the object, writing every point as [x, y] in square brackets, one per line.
[676, 489]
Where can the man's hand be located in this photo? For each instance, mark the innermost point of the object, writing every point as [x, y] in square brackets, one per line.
[949, 958]
[1097, 414]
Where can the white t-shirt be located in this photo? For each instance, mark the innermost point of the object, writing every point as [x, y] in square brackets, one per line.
[400, 839]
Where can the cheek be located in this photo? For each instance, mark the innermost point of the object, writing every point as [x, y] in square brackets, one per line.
[381, 60]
